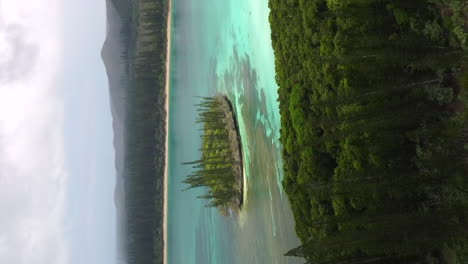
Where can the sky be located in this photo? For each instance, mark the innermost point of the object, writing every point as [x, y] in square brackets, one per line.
[57, 173]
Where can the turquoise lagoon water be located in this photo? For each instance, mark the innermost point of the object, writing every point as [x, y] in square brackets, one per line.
[224, 46]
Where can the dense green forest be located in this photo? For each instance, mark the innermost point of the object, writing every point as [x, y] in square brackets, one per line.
[220, 166]
[145, 127]
[374, 128]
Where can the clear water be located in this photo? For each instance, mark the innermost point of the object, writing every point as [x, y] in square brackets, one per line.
[224, 46]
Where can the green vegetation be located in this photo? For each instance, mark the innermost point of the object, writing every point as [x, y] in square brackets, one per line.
[220, 167]
[144, 35]
[374, 128]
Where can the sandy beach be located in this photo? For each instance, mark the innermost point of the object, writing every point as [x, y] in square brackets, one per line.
[168, 69]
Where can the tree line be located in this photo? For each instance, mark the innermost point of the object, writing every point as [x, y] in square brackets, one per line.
[144, 36]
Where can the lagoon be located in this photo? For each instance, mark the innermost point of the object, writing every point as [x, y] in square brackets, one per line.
[225, 47]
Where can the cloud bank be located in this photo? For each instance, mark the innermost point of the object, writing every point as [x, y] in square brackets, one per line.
[32, 173]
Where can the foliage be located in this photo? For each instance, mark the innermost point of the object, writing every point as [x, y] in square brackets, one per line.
[454, 15]
[442, 95]
[372, 128]
[220, 168]
[144, 36]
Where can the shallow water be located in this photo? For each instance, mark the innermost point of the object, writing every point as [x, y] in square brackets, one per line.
[224, 46]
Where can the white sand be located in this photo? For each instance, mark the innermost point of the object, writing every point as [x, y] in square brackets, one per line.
[168, 69]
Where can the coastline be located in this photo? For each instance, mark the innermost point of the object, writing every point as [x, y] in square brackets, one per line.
[166, 156]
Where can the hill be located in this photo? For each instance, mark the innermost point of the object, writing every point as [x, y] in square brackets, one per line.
[373, 123]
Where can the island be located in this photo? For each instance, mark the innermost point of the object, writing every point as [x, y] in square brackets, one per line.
[220, 167]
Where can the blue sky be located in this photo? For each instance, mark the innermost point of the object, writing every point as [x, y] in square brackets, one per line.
[57, 172]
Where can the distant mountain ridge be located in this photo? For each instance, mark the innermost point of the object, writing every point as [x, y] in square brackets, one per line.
[117, 68]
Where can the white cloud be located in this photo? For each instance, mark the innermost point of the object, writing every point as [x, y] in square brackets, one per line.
[32, 173]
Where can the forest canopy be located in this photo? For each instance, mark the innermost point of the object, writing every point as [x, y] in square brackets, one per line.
[144, 37]
[374, 128]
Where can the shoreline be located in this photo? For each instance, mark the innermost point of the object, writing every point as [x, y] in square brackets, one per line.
[166, 156]
[236, 146]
